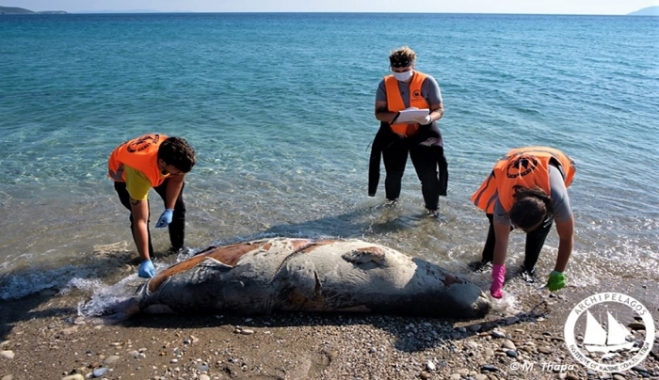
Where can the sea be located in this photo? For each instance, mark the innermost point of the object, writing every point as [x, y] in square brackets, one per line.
[280, 110]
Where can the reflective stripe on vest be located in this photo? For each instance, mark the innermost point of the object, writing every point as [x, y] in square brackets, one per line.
[522, 167]
[395, 101]
[140, 154]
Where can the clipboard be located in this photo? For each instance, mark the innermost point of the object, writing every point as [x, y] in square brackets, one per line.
[411, 114]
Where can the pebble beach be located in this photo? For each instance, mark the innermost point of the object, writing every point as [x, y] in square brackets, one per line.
[45, 337]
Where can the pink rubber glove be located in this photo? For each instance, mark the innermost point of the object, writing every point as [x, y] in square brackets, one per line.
[498, 277]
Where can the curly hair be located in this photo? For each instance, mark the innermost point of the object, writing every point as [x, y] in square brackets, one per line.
[402, 57]
[177, 152]
[530, 208]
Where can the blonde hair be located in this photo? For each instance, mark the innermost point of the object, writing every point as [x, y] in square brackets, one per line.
[402, 57]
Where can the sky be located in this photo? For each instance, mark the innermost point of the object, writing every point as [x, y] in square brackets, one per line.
[594, 7]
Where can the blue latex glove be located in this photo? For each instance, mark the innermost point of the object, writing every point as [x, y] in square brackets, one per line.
[165, 218]
[556, 281]
[146, 269]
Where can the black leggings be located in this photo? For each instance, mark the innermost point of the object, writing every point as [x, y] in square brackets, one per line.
[424, 159]
[534, 242]
[176, 227]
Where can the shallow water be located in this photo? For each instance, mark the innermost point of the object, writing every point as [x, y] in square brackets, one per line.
[279, 108]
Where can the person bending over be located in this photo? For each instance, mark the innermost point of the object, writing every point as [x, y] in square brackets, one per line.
[159, 162]
[527, 189]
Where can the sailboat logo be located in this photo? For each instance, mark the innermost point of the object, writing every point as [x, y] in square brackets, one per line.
[596, 339]
[611, 339]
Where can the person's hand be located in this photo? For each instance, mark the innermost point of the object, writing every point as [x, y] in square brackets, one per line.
[556, 281]
[165, 218]
[424, 120]
[146, 269]
[498, 277]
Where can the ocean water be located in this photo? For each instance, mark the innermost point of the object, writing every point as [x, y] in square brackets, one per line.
[279, 108]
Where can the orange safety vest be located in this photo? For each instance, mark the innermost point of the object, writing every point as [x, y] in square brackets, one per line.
[140, 154]
[395, 101]
[522, 167]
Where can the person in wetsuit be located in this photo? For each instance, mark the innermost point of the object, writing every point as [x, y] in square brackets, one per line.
[407, 88]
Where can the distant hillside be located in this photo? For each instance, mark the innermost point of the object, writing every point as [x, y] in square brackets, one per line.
[14, 11]
[649, 11]
[126, 11]
[23, 11]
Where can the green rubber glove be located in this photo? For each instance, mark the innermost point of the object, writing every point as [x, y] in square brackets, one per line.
[556, 281]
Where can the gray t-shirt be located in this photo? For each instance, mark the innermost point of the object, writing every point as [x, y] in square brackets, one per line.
[559, 199]
[429, 90]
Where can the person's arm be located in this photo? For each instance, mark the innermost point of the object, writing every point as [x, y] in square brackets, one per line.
[563, 216]
[566, 241]
[140, 211]
[138, 186]
[501, 233]
[174, 186]
[434, 98]
[565, 231]
[382, 112]
[436, 111]
[501, 236]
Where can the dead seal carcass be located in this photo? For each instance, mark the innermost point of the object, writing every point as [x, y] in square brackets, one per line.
[290, 274]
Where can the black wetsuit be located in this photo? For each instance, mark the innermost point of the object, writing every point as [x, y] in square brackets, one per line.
[426, 149]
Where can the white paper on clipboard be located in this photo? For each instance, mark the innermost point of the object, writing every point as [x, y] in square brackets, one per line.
[411, 114]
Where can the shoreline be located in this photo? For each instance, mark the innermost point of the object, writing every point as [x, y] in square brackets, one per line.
[522, 337]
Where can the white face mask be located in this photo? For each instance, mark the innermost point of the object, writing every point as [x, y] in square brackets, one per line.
[404, 76]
